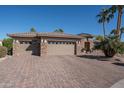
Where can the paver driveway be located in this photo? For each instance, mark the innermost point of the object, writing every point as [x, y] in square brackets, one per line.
[58, 71]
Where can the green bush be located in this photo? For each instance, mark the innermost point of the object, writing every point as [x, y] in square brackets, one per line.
[8, 43]
[3, 51]
[111, 46]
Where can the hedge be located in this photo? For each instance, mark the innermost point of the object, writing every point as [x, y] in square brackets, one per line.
[3, 51]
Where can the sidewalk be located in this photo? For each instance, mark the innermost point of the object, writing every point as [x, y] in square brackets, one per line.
[119, 84]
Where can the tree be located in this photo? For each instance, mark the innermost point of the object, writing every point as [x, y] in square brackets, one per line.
[8, 43]
[103, 17]
[33, 30]
[59, 30]
[112, 44]
[99, 37]
[113, 32]
[122, 31]
[119, 9]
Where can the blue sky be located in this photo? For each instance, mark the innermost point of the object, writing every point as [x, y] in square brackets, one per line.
[72, 19]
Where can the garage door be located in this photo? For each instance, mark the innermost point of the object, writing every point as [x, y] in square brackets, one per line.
[61, 48]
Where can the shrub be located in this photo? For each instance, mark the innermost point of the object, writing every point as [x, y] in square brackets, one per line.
[3, 51]
[8, 43]
[111, 46]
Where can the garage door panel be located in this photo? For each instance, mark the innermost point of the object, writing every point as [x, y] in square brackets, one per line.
[60, 49]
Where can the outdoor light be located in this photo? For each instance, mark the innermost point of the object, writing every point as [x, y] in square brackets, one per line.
[41, 40]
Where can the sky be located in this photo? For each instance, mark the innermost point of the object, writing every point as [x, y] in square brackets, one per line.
[72, 19]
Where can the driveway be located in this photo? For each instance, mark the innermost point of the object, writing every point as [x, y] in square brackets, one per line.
[59, 71]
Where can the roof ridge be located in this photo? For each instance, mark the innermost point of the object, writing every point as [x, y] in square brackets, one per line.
[48, 34]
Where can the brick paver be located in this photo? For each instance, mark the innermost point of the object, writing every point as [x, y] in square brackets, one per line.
[58, 71]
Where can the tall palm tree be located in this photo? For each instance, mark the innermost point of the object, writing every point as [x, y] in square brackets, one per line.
[122, 31]
[103, 17]
[59, 30]
[119, 9]
[113, 32]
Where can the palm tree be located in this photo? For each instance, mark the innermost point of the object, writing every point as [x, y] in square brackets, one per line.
[103, 17]
[113, 32]
[112, 10]
[59, 30]
[111, 44]
[33, 29]
[122, 31]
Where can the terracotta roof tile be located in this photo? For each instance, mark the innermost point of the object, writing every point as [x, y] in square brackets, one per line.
[47, 34]
[86, 35]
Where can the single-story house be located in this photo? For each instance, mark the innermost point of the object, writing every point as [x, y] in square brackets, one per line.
[49, 43]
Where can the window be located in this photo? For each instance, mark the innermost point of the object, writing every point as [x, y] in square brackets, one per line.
[21, 42]
[73, 43]
[30, 42]
[49, 42]
[60, 42]
[25, 42]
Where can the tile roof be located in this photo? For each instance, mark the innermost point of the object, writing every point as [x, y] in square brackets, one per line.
[86, 35]
[44, 34]
[26, 34]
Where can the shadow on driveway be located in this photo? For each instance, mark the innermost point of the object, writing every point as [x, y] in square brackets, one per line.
[100, 58]
[115, 61]
[118, 64]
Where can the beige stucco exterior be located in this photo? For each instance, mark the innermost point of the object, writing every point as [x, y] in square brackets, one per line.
[49, 45]
[43, 47]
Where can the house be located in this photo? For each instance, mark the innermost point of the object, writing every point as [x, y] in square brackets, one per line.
[47, 43]
[1, 43]
[88, 42]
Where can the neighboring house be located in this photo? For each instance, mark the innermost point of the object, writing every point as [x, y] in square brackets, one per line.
[1, 43]
[43, 43]
[87, 40]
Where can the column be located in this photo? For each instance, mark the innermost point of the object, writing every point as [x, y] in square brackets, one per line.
[15, 47]
[43, 47]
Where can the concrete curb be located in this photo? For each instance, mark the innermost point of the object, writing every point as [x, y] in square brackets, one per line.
[119, 84]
